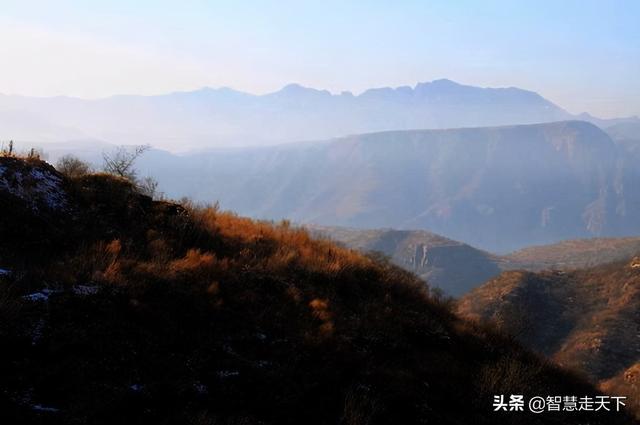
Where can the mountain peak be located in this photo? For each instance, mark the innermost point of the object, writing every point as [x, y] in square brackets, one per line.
[442, 83]
[295, 89]
[445, 82]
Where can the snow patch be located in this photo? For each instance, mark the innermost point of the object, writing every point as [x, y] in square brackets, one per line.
[227, 373]
[41, 296]
[27, 401]
[85, 290]
[45, 294]
[37, 296]
[41, 408]
[37, 187]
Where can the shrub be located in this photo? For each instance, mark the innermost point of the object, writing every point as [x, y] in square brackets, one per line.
[72, 166]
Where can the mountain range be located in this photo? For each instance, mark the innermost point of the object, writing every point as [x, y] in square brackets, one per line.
[208, 118]
[496, 188]
[117, 306]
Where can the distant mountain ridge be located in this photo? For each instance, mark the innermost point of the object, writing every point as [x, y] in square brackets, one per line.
[496, 188]
[209, 118]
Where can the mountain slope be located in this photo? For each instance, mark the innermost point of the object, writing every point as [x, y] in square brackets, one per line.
[120, 309]
[498, 189]
[452, 266]
[584, 319]
[457, 268]
[574, 254]
[628, 130]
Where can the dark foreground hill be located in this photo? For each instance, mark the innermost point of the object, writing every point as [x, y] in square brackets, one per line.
[586, 320]
[117, 309]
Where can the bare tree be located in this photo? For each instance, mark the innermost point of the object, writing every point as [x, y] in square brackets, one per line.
[148, 186]
[120, 162]
[72, 166]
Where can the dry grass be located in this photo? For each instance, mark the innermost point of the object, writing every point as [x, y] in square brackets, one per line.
[201, 316]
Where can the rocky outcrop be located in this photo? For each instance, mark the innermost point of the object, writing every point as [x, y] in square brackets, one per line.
[34, 194]
[34, 185]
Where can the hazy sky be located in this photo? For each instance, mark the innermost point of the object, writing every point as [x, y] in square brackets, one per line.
[583, 55]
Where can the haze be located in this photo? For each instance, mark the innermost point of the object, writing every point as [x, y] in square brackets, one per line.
[583, 55]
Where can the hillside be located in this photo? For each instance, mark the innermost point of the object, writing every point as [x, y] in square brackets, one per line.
[457, 268]
[498, 189]
[452, 266]
[584, 319]
[625, 131]
[118, 309]
[573, 254]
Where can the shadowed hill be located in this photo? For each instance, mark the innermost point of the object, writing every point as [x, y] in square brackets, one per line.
[627, 383]
[586, 320]
[119, 309]
[452, 266]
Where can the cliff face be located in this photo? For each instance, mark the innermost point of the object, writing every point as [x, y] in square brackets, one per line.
[449, 265]
[497, 189]
[456, 269]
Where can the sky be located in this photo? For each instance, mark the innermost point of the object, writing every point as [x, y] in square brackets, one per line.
[582, 55]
